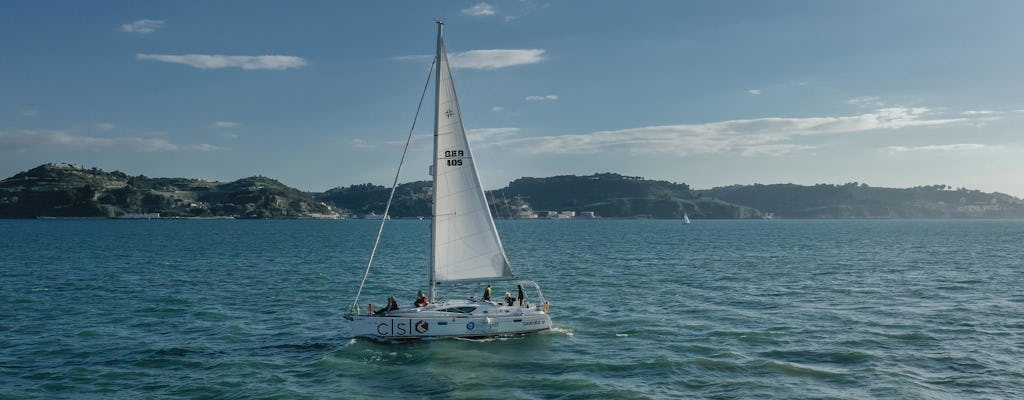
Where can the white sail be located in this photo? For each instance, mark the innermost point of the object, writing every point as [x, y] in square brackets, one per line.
[465, 242]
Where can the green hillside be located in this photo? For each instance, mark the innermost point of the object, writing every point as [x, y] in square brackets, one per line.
[64, 190]
[411, 199]
[854, 200]
[616, 196]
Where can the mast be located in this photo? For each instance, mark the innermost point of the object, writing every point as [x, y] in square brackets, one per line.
[433, 170]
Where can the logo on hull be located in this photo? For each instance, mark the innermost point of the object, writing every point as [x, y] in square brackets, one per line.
[402, 327]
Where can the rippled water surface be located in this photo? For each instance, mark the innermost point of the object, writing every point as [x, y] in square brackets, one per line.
[643, 309]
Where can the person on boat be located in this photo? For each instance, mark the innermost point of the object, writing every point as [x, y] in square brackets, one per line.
[392, 305]
[522, 296]
[509, 300]
[421, 299]
[487, 293]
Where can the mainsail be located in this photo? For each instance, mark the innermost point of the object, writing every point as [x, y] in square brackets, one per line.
[465, 242]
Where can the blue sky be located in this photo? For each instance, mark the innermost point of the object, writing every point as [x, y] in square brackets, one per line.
[321, 94]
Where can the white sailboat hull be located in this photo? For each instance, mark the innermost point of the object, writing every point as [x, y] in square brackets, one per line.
[487, 319]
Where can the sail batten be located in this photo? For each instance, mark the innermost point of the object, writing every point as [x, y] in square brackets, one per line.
[465, 244]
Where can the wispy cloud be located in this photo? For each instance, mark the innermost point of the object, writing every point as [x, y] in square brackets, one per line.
[497, 108]
[762, 136]
[217, 61]
[542, 98]
[206, 147]
[485, 59]
[494, 59]
[28, 140]
[981, 112]
[940, 148]
[490, 134]
[754, 91]
[143, 26]
[49, 140]
[866, 102]
[524, 8]
[104, 126]
[226, 124]
[479, 10]
[362, 144]
[31, 113]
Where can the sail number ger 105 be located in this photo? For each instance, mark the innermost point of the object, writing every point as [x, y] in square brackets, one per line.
[449, 157]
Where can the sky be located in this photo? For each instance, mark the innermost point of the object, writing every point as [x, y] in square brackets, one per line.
[320, 94]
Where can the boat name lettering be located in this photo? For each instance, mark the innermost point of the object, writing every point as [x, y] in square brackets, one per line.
[534, 322]
[400, 327]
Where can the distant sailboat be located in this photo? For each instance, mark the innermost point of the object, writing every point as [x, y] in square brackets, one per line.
[465, 248]
[686, 219]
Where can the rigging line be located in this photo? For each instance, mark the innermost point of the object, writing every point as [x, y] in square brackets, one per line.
[394, 185]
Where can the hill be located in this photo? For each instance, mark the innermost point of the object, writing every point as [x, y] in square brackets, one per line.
[618, 196]
[411, 199]
[608, 195]
[64, 190]
[853, 200]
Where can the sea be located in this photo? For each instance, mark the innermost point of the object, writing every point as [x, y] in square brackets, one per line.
[642, 309]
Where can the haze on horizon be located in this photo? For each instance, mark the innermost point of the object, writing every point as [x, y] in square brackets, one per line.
[320, 95]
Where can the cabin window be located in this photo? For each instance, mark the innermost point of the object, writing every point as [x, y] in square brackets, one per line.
[460, 310]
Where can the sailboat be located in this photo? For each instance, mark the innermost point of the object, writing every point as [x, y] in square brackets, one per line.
[686, 218]
[466, 251]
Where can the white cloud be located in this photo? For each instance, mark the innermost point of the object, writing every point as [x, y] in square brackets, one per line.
[33, 140]
[485, 59]
[754, 91]
[206, 147]
[415, 58]
[771, 136]
[940, 147]
[485, 135]
[217, 61]
[497, 108]
[494, 59]
[143, 26]
[542, 98]
[28, 140]
[866, 102]
[226, 124]
[479, 10]
[980, 112]
[361, 144]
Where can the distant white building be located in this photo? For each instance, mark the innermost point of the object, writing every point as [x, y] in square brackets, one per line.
[139, 216]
